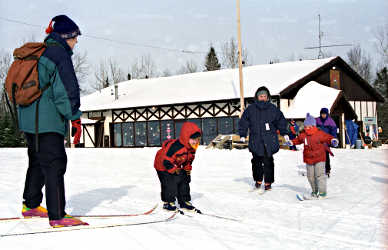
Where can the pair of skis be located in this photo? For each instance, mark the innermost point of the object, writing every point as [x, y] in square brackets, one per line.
[170, 217]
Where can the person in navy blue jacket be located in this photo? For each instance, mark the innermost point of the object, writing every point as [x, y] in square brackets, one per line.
[264, 120]
[327, 124]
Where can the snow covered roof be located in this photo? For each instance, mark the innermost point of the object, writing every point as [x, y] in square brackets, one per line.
[310, 99]
[201, 86]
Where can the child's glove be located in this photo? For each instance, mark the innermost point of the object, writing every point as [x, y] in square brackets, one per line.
[188, 172]
[334, 142]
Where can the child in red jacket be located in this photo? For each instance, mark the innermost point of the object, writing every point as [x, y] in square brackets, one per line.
[314, 155]
[173, 166]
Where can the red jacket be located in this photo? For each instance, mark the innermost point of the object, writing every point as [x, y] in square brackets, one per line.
[177, 153]
[314, 145]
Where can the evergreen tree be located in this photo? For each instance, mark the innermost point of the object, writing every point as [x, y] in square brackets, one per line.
[381, 82]
[381, 85]
[9, 137]
[212, 60]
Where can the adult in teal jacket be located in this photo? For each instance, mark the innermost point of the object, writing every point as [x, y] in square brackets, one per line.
[45, 123]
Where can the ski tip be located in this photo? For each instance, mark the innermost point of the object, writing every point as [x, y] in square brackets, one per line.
[299, 197]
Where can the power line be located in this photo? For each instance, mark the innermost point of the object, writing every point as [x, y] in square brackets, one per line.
[115, 41]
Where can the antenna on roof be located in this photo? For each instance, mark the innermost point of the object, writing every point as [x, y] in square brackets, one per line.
[320, 35]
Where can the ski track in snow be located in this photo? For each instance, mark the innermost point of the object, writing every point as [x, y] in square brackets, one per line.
[117, 181]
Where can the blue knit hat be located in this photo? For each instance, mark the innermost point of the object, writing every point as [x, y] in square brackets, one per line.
[309, 121]
[324, 111]
[64, 26]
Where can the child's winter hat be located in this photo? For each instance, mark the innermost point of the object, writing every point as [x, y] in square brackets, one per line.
[324, 111]
[309, 121]
[64, 26]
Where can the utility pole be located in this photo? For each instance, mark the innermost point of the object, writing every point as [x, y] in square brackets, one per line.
[242, 106]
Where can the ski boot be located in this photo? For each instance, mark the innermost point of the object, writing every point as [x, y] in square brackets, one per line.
[258, 184]
[170, 206]
[322, 195]
[187, 205]
[34, 212]
[67, 221]
[267, 187]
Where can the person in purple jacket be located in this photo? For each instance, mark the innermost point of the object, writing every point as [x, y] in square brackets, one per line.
[327, 124]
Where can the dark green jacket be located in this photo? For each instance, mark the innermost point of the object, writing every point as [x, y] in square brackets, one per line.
[61, 101]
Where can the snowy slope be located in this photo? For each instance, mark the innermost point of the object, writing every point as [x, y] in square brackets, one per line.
[123, 180]
[201, 86]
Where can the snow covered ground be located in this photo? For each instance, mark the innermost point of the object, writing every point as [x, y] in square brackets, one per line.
[114, 181]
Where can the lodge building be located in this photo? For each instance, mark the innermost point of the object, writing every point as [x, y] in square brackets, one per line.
[144, 113]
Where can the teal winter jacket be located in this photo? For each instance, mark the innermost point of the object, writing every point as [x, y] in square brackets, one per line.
[60, 102]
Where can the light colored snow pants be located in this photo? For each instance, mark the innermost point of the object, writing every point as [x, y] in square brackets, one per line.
[317, 177]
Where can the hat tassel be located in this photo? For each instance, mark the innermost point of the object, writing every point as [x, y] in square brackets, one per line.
[50, 28]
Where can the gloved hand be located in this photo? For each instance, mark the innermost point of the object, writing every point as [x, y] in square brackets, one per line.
[334, 142]
[76, 130]
[188, 172]
[288, 143]
[242, 139]
[178, 171]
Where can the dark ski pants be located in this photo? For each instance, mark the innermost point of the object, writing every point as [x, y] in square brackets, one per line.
[174, 186]
[46, 168]
[327, 163]
[263, 167]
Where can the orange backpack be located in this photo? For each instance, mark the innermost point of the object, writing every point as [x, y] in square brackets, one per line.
[22, 82]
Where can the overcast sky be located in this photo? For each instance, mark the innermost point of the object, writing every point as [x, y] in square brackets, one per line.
[270, 29]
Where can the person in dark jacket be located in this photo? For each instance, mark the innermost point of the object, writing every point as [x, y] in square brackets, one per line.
[293, 132]
[58, 105]
[327, 125]
[263, 119]
[173, 164]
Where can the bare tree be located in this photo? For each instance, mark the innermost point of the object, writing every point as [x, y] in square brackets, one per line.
[360, 62]
[382, 42]
[107, 72]
[81, 68]
[5, 63]
[101, 74]
[189, 67]
[166, 72]
[229, 55]
[143, 67]
[116, 74]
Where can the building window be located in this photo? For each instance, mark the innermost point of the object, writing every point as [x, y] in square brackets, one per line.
[209, 130]
[225, 125]
[128, 136]
[117, 134]
[167, 130]
[236, 120]
[153, 133]
[140, 134]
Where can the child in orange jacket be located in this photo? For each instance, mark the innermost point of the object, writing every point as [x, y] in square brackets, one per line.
[314, 155]
[173, 166]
